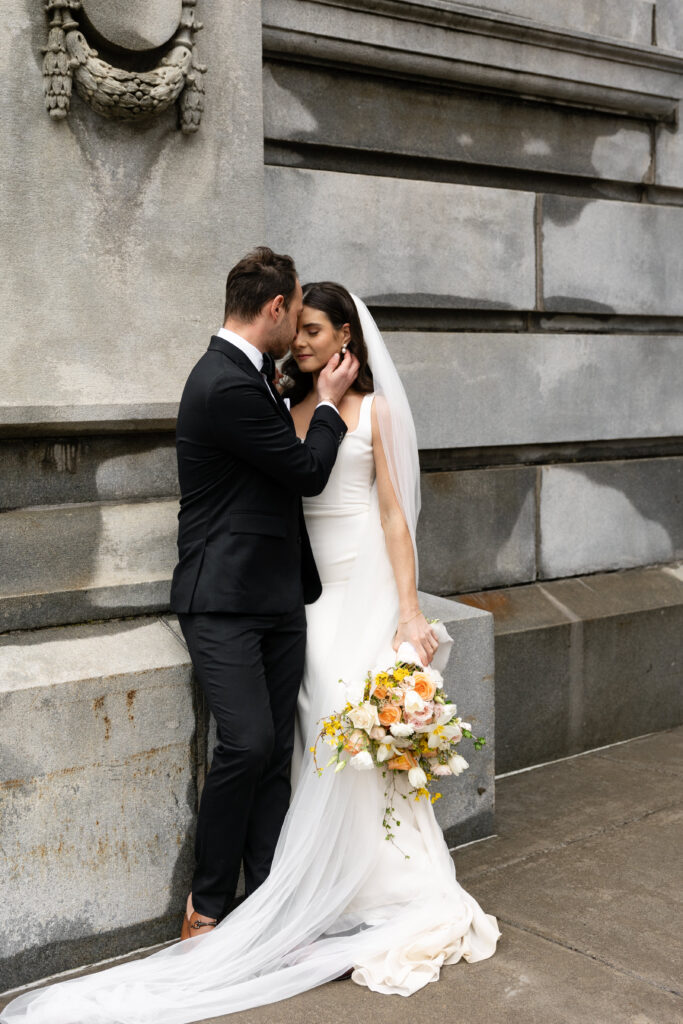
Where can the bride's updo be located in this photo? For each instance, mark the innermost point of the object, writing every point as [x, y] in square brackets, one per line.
[336, 302]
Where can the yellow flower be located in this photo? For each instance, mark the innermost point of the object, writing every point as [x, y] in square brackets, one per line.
[381, 679]
[312, 750]
[400, 673]
[437, 796]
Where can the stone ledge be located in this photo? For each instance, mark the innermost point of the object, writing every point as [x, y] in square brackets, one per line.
[584, 662]
[99, 791]
[455, 45]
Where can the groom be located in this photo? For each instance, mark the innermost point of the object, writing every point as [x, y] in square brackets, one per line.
[246, 568]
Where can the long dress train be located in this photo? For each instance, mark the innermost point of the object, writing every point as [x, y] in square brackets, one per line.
[338, 895]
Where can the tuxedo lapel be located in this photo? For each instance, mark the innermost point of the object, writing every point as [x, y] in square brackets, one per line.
[240, 359]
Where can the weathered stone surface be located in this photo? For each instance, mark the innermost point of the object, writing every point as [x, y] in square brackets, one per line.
[610, 515]
[584, 662]
[134, 24]
[98, 791]
[311, 105]
[466, 809]
[415, 243]
[612, 257]
[476, 529]
[116, 238]
[53, 471]
[89, 561]
[567, 387]
[670, 24]
[623, 19]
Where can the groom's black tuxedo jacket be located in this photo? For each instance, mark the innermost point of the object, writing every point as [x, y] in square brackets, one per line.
[242, 540]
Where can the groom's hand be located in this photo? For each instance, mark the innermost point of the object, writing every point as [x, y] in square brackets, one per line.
[337, 377]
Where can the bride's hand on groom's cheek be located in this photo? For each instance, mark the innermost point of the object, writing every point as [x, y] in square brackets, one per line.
[420, 634]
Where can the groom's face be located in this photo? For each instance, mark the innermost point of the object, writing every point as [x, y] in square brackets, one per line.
[287, 328]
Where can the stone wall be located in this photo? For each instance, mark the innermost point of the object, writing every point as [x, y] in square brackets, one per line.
[505, 189]
[503, 183]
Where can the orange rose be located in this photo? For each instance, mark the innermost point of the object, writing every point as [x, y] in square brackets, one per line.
[389, 715]
[424, 686]
[380, 692]
[403, 763]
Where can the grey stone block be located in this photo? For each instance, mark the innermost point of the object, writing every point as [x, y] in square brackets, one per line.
[477, 529]
[585, 662]
[98, 791]
[55, 471]
[466, 809]
[109, 292]
[610, 515]
[414, 243]
[622, 19]
[305, 104]
[500, 389]
[88, 561]
[670, 25]
[611, 257]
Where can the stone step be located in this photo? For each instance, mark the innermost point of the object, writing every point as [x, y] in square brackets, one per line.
[78, 562]
[584, 662]
[98, 787]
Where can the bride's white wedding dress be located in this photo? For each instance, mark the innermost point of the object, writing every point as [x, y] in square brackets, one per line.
[339, 895]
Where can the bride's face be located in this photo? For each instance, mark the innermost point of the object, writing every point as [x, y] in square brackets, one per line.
[317, 340]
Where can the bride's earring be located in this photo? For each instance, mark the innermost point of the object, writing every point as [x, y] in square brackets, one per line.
[344, 348]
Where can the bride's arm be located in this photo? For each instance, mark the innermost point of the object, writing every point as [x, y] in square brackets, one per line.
[412, 625]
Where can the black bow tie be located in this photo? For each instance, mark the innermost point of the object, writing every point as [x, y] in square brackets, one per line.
[268, 367]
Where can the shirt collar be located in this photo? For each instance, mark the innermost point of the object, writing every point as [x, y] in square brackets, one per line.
[254, 354]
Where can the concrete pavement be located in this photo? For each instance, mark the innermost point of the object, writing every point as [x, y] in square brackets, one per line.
[585, 877]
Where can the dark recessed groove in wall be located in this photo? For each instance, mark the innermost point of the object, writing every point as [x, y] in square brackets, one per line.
[446, 460]
[502, 321]
[313, 156]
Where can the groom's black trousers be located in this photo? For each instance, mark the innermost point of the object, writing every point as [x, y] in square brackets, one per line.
[250, 668]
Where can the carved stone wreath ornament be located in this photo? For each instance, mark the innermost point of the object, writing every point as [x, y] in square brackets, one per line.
[114, 92]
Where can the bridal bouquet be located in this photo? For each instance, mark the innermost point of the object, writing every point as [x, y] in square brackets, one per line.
[404, 723]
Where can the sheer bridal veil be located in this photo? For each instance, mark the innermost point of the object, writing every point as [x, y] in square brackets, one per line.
[300, 928]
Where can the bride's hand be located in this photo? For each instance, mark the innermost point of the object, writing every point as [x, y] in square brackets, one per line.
[420, 634]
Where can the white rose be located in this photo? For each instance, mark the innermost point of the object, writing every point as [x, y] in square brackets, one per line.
[417, 778]
[384, 752]
[457, 764]
[401, 729]
[441, 769]
[465, 725]
[364, 716]
[361, 762]
[412, 702]
[407, 653]
[444, 712]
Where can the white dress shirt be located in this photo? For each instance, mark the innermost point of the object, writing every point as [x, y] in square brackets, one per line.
[256, 357]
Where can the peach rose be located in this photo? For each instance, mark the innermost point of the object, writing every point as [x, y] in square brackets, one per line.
[403, 763]
[389, 715]
[380, 692]
[424, 686]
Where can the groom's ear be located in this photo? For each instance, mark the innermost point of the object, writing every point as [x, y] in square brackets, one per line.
[272, 308]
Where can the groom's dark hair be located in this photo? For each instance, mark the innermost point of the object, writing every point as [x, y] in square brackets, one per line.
[258, 277]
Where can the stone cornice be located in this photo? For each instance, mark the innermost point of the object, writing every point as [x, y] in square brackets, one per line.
[322, 41]
[454, 15]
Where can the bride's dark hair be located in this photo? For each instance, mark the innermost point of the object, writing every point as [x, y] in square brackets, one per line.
[336, 302]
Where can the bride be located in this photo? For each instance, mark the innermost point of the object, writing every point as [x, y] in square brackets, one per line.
[339, 897]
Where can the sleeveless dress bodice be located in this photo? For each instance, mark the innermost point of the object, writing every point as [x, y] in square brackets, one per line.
[336, 519]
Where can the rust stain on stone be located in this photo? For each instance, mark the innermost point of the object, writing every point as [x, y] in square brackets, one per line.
[107, 727]
[492, 601]
[130, 698]
[98, 703]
